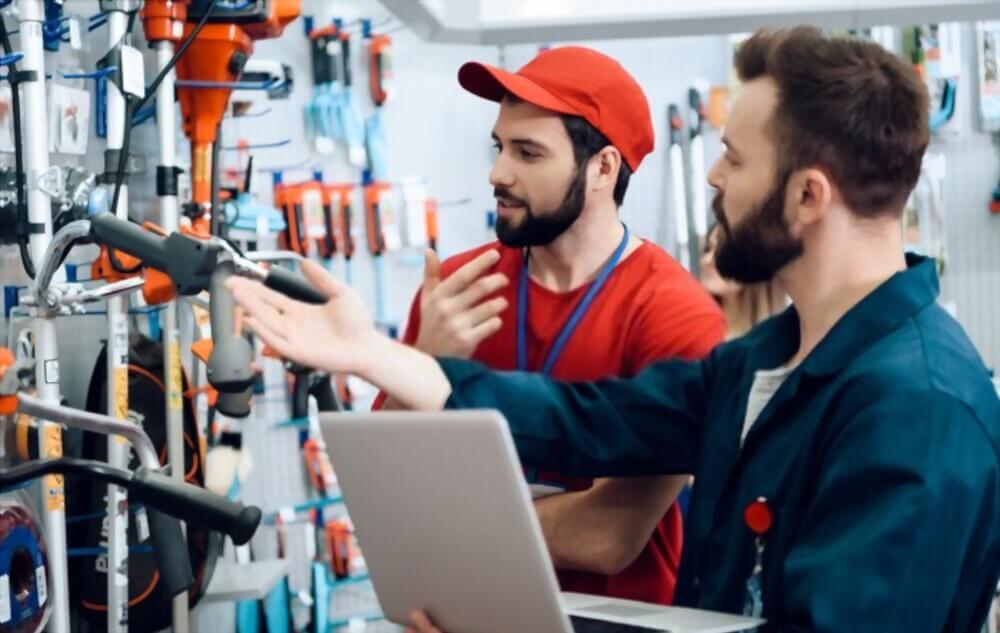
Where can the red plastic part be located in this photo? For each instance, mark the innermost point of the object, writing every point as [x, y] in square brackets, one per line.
[758, 516]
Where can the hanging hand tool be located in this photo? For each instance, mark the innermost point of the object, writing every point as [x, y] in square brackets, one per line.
[214, 64]
[696, 159]
[679, 206]
[378, 218]
[351, 120]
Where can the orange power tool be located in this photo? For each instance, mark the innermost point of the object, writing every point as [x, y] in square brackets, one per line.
[218, 56]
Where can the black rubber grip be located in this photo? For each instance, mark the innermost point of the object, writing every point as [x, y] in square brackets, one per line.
[294, 285]
[195, 505]
[130, 238]
[170, 552]
[234, 405]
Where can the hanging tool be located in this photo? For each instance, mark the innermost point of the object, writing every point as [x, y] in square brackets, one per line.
[696, 160]
[30, 84]
[193, 264]
[378, 217]
[350, 111]
[322, 112]
[935, 51]
[163, 25]
[379, 75]
[173, 572]
[380, 71]
[335, 197]
[147, 485]
[302, 206]
[208, 74]
[679, 207]
[127, 79]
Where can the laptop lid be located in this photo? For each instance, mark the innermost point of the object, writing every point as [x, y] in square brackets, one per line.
[445, 519]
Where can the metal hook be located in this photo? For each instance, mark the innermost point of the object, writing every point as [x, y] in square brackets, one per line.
[271, 84]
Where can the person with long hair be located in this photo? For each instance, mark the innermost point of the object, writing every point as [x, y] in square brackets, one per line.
[743, 305]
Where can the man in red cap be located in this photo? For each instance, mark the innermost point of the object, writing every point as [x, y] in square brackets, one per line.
[569, 292]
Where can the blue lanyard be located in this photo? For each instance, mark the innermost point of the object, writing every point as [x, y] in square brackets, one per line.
[574, 320]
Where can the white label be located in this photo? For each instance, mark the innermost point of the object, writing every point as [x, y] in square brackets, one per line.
[52, 371]
[119, 342]
[75, 42]
[312, 209]
[121, 535]
[387, 215]
[4, 599]
[6, 120]
[305, 598]
[69, 119]
[310, 542]
[43, 585]
[133, 79]
[142, 525]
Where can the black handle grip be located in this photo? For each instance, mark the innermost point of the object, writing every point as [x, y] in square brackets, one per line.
[234, 405]
[170, 552]
[294, 285]
[326, 397]
[195, 505]
[130, 238]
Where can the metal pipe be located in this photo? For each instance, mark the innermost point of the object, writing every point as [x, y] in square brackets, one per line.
[166, 123]
[117, 362]
[36, 162]
[87, 421]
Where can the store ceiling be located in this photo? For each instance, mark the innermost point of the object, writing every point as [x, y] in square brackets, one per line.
[534, 21]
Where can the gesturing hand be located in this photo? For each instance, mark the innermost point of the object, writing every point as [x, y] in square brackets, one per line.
[332, 337]
[454, 318]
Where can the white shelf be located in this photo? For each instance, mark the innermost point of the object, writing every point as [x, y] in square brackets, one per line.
[253, 581]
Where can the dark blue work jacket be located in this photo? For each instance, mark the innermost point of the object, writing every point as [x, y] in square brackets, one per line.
[879, 457]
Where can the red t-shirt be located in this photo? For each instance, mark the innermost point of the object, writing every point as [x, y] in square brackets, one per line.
[649, 309]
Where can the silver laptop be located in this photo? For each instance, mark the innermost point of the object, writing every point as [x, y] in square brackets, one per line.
[446, 524]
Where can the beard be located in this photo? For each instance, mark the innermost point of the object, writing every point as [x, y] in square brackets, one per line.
[541, 229]
[761, 244]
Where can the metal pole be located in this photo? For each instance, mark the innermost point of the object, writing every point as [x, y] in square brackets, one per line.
[166, 122]
[36, 153]
[117, 363]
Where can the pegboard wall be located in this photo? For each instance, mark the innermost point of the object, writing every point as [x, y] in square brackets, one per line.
[971, 281]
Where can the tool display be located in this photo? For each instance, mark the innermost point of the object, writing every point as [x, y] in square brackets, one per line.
[678, 208]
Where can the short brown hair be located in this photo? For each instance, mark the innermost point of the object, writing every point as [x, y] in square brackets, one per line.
[848, 106]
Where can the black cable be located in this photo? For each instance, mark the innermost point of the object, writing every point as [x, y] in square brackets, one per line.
[151, 90]
[22, 203]
[131, 107]
[217, 225]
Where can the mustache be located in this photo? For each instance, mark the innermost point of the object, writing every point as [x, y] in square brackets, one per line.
[720, 213]
[502, 193]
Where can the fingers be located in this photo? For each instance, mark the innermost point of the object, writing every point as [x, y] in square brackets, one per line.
[271, 337]
[481, 288]
[261, 294]
[253, 300]
[485, 311]
[321, 279]
[423, 623]
[486, 329]
[468, 273]
[432, 270]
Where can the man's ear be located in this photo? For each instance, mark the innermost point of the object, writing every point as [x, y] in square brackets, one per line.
[604, 168]
[810, 193]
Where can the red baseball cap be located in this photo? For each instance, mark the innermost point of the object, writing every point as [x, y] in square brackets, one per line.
[577, 81]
